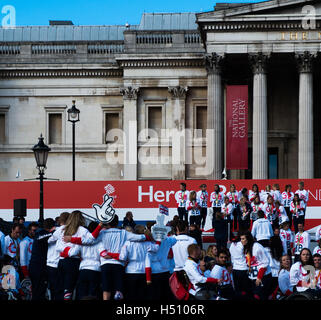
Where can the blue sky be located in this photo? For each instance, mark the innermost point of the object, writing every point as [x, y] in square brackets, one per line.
[100, 12]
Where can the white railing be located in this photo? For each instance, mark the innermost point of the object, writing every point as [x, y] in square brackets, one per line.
[53, 49]
[9, 49]
[192, 38]
[154, 38]
[105, 48]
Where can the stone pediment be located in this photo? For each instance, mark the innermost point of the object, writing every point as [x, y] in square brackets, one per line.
[273, 10]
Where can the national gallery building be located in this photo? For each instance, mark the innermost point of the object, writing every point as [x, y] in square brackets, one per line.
[168, 72]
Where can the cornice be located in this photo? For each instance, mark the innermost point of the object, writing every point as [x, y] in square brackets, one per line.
[189, 63]
[60, 73]
[232, 26]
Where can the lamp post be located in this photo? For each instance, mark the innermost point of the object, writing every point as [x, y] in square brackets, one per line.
[73, 117]
[41, 151]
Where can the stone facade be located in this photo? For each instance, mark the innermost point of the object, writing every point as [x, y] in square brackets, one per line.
[164, 75]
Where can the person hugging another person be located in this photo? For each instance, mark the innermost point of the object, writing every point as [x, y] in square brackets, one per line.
[193, 271]
[73, 233]
[112, 269]
[89, 268]
[137, 272]
[53, 256]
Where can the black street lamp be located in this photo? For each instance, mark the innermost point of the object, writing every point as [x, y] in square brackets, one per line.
[41, 154]
[73, 117]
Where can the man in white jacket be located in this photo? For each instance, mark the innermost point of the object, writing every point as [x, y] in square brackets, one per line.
[301, 241]
[180, 248]
[112, 270]
[192, 269]
[262, 229]
[26, 249]
[54, 278]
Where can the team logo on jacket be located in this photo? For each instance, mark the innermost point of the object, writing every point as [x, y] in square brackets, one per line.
[12, 248]
[30, 247]
[105, 212]
[251, 261]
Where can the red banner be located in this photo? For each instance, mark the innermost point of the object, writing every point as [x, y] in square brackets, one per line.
[141, 197]
[237, 127]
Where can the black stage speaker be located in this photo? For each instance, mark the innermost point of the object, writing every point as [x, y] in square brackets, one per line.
[19, 207]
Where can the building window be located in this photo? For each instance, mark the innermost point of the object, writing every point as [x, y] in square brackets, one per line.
[273, 163]
[201, 119]
[155, 118]
[55, 128]
[56, 124]
[112, 119]
[2, 128]
[4, 124]
[248, 172]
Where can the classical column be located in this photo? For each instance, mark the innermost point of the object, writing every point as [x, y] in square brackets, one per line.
[215, 134]
[130, 95]
[259, 141]
[178, 98]
[305, 150]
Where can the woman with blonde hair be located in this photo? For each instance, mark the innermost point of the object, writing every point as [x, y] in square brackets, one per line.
[73, 233]
[211, 253]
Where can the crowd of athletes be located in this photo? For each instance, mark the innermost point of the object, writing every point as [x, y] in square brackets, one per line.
[261, 252]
